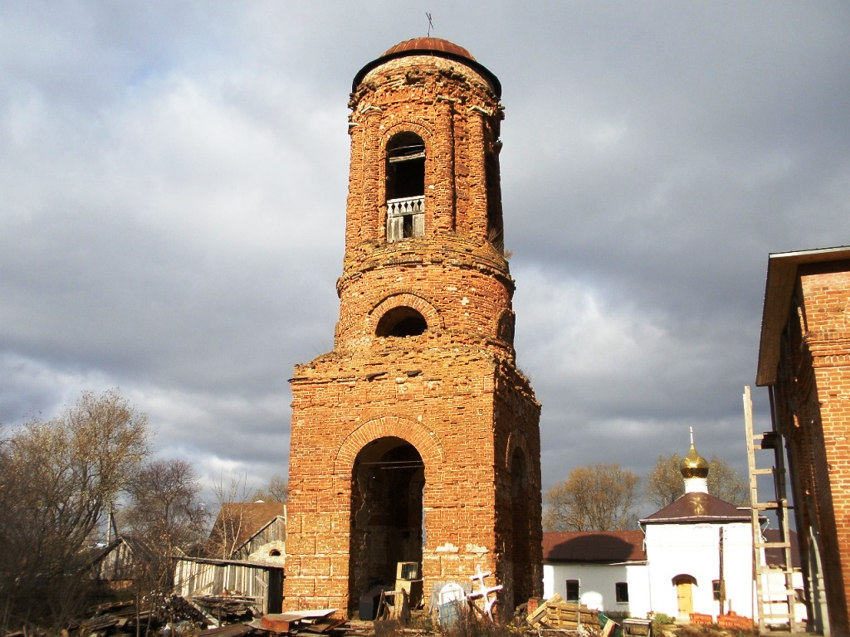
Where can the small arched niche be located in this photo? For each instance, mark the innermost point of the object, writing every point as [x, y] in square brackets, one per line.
[405, 187]
[401, 322]
[505, 327]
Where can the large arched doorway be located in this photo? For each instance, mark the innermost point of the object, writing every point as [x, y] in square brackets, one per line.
[521, 533]
[387, 482]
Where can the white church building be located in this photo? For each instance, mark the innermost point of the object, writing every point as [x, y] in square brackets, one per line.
[692, 556]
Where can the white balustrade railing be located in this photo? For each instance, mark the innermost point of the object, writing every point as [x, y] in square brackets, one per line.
[406, 206]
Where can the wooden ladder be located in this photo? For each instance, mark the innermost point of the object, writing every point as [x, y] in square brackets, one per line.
[773, 613]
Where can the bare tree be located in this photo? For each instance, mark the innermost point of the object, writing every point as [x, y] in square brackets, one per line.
[56, 480]
[165, 515]
[600, 497]
[277, 490]
[227, 528]
[665, 483]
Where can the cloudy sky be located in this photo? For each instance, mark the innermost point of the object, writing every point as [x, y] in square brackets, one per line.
[173, 180]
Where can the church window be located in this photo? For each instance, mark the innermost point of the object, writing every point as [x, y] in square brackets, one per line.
[621, 591]
[572, 590]
[405, 187]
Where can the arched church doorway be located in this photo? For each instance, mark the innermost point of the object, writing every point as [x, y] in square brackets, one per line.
[387, 481]
[521, 533]
[685, 594]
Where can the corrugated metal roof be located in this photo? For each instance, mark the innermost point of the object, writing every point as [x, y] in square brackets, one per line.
[429, 44]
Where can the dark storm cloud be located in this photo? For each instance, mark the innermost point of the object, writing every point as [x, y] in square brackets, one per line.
[174, 182]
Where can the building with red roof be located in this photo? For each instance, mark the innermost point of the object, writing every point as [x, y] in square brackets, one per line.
[693, 556]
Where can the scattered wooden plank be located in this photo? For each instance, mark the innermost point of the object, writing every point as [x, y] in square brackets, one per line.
[287, 622]
[558, 614]
[541, 609]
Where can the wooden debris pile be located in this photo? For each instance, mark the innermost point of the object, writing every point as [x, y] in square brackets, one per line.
[636, 627]
[228, 609]
[117, 618]
[393, 606]
[323, 621]
[557, 614]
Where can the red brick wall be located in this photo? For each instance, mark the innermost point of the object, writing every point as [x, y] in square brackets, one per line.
[813, 405]
[452, 392]
[452, 108]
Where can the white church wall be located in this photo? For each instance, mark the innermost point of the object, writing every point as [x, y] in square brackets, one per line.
[640, 603]
[694, 549]
[598, 585]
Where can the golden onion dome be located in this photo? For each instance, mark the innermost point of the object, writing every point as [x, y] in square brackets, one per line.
[694, 465]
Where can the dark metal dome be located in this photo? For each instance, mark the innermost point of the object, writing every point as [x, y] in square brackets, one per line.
[431, 46]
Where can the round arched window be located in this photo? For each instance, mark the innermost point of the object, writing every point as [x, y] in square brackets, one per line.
[401, 321]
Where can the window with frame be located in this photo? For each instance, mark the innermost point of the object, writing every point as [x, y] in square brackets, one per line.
[572, 590]
[621, 591]
[716, 589]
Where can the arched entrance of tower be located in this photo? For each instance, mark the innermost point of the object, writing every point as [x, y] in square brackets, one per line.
[387, 482]
[523, 587]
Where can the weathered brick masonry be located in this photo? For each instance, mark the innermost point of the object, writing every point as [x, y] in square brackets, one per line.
[416, 439]
[805, 358]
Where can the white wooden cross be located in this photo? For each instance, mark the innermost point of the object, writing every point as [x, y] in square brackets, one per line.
[484, 591]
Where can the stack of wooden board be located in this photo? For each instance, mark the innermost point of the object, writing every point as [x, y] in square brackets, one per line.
[558, 614]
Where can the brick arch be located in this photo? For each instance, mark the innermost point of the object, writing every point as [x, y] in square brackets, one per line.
[423, 439]
[516, 441]
[406, 126]
[404, 299]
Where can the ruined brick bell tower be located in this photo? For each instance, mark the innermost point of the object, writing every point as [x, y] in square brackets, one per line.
[417, 438]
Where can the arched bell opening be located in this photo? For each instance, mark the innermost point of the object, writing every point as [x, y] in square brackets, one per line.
[495, 229]
[405, 185]
[387, 483]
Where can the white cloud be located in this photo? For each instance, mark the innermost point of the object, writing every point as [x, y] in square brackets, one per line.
[174, 181]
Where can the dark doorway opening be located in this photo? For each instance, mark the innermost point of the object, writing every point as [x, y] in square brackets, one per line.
[521, 532]
[275, 591]
[386, 516]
